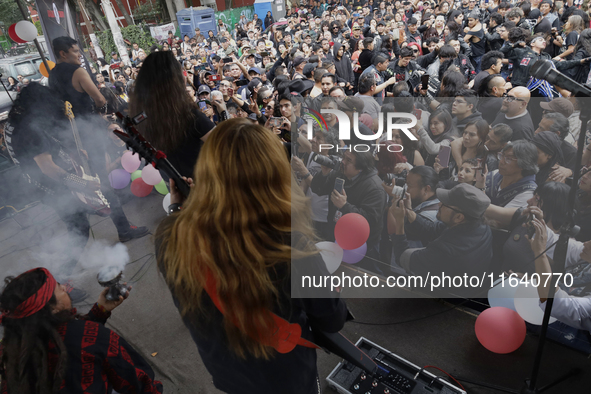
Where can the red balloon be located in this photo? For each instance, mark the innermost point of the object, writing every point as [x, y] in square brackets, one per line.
[140, 188]
[501, 330]
[351, 231]
[14, 36]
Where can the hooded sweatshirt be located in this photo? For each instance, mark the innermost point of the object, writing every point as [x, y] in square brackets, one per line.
[344, 68]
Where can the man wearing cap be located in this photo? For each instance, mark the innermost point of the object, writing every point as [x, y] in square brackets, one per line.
[458, 244]
[203, 93]
[298, 64]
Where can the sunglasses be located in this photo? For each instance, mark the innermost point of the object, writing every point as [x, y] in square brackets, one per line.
[510, 99]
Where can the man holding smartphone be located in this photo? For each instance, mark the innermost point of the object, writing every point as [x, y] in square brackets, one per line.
[362, 194]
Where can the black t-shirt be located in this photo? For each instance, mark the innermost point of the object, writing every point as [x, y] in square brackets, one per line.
[185, 156]
[523, 127]
[60, 81]
[478, 48]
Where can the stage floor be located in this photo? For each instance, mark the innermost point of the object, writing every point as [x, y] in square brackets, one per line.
[151, 323]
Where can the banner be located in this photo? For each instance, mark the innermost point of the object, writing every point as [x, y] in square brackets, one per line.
[160, 33]
[232, 16]
[56, 21]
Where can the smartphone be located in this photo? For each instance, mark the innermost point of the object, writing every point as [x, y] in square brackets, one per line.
[403, 194]
[531, 230]
[275, 121]
[425, 82]
[444, 153]
[242, 82]
[339, 184]
[203, 105]
[200, 67]
[215, 77]
[227, 60]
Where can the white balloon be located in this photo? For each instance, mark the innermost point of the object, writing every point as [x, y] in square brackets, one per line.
[166, 202]
[332, 254]
[25, 30]
[527, 304]
[502, 295]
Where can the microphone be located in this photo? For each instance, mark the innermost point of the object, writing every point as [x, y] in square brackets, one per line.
[542, 69]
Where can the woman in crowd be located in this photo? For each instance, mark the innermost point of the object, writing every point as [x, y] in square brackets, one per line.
[471, 144]
[467, 171]
[238, 246]
[12, 84]
[572, 30]
[549, 154]
[174, 123]
[440, 133]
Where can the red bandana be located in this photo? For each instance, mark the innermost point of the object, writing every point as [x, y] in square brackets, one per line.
[36, 302]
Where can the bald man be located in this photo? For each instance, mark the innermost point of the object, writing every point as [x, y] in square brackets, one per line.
[514, 114]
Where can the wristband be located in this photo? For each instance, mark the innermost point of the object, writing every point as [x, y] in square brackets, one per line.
[306, 175]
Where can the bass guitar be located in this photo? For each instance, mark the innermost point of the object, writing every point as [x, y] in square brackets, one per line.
[95, 200]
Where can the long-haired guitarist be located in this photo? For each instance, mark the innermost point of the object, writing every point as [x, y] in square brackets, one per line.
[40, 139]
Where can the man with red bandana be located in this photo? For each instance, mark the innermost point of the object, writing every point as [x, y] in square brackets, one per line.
[48, 347]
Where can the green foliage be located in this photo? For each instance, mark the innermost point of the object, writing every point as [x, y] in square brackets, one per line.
[9, 13]
[133, 33]
[39, 29]
[148, 11]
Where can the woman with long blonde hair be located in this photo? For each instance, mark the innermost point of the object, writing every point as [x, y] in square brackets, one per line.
[234, 241]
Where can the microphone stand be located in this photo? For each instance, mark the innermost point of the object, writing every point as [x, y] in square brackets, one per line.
[567, 231]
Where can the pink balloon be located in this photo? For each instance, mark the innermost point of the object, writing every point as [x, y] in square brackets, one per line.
[151, 176]
[130, 161]
[355, 255]
[351, 231]
[139, 188]
[501, 330]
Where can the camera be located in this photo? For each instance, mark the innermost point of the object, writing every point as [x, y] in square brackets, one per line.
[332, 161]
[397, 179]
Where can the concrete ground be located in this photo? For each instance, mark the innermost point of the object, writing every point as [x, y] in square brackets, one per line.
[151, 323]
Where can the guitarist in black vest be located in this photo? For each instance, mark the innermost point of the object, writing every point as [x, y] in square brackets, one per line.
[72, 83]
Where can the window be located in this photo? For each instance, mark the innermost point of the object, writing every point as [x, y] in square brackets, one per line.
[25, 69]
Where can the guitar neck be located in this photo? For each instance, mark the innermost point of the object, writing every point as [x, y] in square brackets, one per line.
[81, 158]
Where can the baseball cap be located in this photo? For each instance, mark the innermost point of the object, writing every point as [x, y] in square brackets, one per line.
[356, 27]
[299, 60]
[308, 69]
[203, 89]
[351, 104]
[229, 51]
[466, 198]
[560, 105]
[255, 70]
[383, 24]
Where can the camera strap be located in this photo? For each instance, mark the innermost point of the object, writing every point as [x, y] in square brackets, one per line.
[286, 335]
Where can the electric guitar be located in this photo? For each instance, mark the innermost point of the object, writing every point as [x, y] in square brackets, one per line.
[94, 200]
[335, 343]
[138, 144]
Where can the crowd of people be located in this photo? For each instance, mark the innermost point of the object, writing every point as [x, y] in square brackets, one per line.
[478, 184]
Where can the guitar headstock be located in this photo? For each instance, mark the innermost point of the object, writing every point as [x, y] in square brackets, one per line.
[68, 110]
